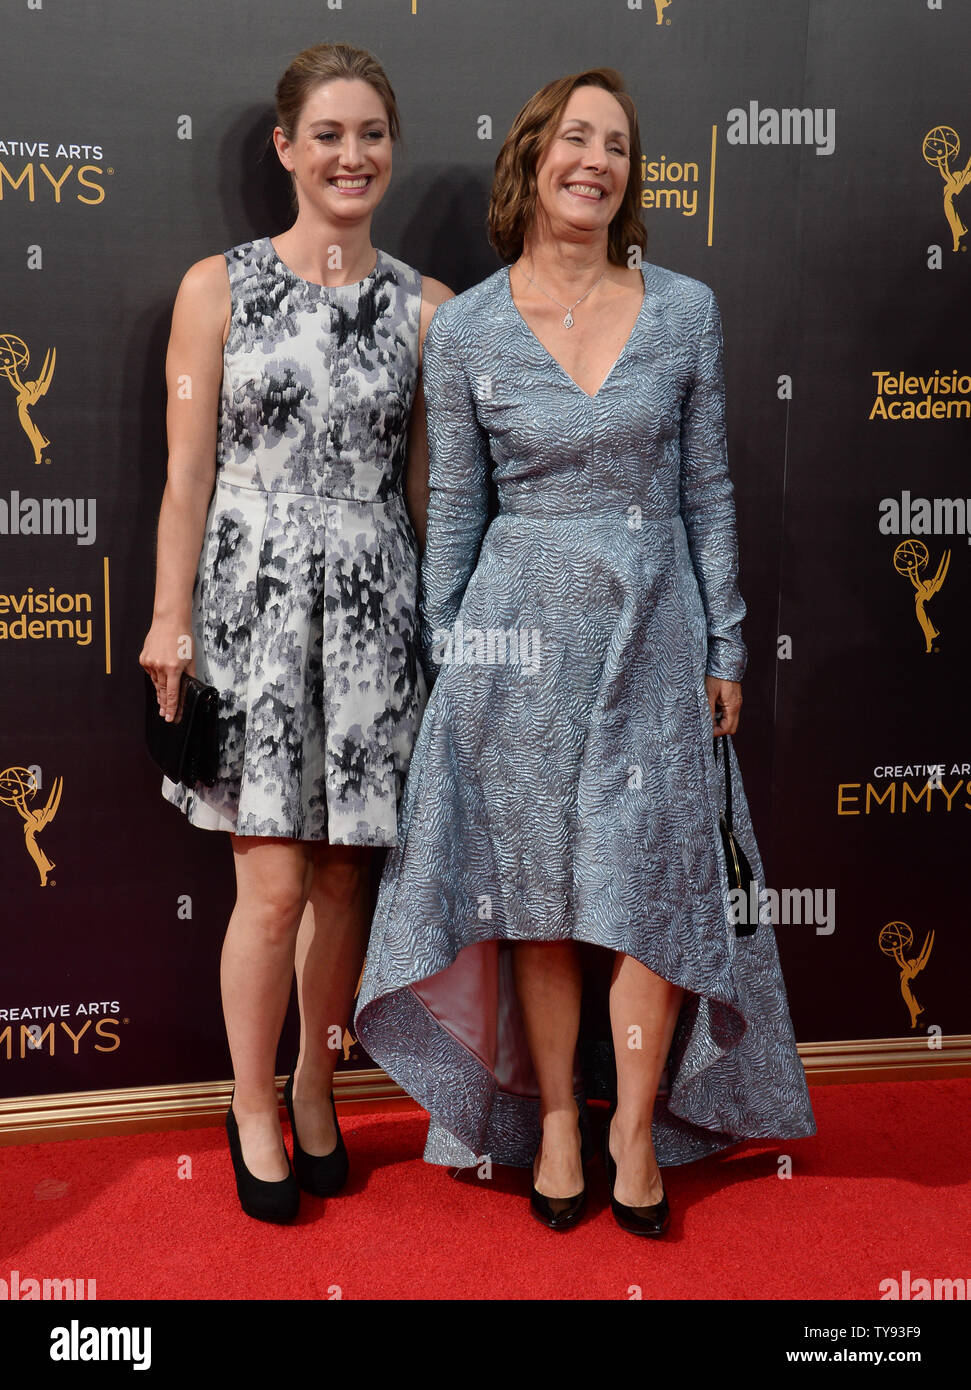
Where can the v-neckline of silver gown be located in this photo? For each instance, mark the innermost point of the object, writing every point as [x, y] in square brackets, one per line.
[617, 360]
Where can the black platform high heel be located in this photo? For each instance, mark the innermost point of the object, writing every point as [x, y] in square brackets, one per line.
[558, 1213]
[639, 1221]
[279, 1201]
[323, 1175]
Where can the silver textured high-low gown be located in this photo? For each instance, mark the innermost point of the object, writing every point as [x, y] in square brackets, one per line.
[563, 782]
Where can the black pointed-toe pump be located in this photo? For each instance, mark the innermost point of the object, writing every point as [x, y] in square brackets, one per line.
[558, 1213]
[639, 1221]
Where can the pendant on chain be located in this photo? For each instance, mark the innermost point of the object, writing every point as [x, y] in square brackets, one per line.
[568, 321]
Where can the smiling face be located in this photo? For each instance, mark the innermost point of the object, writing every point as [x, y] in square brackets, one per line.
[340, 154]
[582, 177]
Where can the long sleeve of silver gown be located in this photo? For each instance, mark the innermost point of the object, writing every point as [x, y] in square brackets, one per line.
[708, 505]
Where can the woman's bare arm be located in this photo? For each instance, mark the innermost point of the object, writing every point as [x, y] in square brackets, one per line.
[193, 372]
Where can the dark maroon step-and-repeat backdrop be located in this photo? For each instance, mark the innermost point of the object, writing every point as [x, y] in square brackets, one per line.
[806, 158]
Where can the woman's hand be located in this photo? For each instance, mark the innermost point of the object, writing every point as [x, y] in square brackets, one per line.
[166, 654]
[725, 702]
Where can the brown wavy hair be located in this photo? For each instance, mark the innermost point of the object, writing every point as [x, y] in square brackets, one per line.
[512, 206]
[329, 62]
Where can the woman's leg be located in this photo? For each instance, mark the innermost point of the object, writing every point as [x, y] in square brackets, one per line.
[272, 882]
[643, 1013]
[330, 953]
[549, 985]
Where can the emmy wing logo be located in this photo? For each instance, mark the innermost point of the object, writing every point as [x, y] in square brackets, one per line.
[941, 145]
[18, 786]
[910, 559]
[14, 356]
[660, 6]
[895, 940]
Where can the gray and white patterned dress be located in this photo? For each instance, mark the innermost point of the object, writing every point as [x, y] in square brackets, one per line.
[304, 603]
[564, 787]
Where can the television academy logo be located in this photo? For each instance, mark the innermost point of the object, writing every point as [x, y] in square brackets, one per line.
[18, 787]
[909, 396]
[674, 183]
[15, 356]
[941, 145]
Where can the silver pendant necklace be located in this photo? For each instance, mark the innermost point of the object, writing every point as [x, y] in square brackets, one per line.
[568, 321]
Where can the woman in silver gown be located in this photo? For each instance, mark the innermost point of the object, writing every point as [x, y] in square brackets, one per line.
[585, 646]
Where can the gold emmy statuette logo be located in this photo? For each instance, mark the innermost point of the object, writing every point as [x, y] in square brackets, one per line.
[660, 6]
[909, 559]
[16, 785]
[13, 356]
[941, 145]
[895, 939]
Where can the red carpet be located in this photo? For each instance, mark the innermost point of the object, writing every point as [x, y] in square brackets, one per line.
[883, 1188]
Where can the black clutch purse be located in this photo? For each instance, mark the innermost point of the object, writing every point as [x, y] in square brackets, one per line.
[739, 871]
[187, 749]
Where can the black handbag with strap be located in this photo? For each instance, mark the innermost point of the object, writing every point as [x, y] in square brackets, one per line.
[187, 747]
[739, 870]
